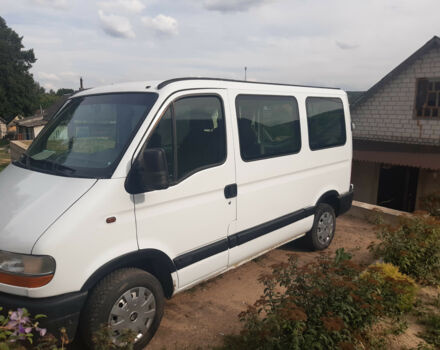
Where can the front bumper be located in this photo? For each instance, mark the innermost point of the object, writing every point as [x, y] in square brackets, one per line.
[61, 311]
[345, 201]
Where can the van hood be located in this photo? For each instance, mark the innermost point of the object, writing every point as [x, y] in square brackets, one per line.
[30, 202]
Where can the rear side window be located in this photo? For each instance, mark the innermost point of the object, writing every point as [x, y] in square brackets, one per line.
[192, 133]
[268, 126]
[326, 122]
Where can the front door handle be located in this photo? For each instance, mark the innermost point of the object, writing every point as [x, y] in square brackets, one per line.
[231, 191]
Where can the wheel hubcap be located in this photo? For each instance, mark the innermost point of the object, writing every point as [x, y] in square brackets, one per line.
[325, 228]
[134, 310]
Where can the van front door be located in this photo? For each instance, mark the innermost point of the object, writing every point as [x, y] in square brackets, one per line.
[189, 220]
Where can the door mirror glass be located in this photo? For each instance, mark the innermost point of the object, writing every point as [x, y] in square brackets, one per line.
[149, 172]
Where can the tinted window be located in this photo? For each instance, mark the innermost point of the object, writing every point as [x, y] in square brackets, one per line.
[199, 138]
[268, 126]
[89, 135]
[326, 122]
[163, 138]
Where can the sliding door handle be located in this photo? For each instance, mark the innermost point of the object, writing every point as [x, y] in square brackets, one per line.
[231, 191]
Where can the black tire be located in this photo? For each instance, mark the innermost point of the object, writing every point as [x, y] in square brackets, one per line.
[317, 238]
[108, 291]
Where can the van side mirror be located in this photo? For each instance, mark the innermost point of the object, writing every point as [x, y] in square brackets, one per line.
[148, 173]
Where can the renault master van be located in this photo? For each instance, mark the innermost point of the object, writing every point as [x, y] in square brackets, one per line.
[135, 192]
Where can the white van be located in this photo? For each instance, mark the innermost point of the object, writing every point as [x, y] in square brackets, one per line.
[135, 192]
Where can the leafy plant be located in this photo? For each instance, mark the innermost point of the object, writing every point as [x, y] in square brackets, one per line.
[431, 204]
[431, 334]
[397, 291]
[103, 340]
[413, 246]
[18, 332]
[17, 329]
[322, 305]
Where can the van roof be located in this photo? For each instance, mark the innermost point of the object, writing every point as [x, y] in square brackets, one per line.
[184, 83]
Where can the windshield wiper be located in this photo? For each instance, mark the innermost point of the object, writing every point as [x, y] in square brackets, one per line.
[57, 167]
[43, 164]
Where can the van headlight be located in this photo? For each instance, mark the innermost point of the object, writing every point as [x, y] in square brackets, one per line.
[21, 270]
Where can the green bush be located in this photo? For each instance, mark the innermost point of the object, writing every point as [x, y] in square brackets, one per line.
[18, 331]
[322, 305]
[398, 291]
[413, 246]
[431, 334]
[431, 204]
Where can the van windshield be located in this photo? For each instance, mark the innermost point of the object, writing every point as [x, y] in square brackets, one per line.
[89, 136]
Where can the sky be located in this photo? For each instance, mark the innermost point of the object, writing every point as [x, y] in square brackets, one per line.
[350, 44]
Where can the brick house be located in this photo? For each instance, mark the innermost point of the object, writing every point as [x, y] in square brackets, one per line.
[28, 128]
[3, 128]
[396, 140]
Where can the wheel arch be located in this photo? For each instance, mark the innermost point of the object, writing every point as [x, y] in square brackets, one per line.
[331, 198]
[153, 261]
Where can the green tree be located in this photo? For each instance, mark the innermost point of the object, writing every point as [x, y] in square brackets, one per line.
[64, 91]
[18, 90]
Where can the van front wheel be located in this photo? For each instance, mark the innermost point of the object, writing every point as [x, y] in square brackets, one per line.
[323, 230]
[128, 301]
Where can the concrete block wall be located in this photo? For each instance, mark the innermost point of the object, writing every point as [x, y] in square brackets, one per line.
[388, 114]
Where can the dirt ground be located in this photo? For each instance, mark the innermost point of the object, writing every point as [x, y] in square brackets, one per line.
[200, 317]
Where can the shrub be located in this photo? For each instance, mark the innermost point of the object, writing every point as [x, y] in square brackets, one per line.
[18, 330]
[431, 334]
[431, 204]
[322, 305]
[398, 291]
[413, 246]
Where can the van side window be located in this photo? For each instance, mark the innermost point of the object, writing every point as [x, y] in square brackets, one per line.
[268, 126]
[326, 122]
[192, 132]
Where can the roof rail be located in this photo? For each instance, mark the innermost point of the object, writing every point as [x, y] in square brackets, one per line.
[175, 80]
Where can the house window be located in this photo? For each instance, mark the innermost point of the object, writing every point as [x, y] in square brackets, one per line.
[428, 98]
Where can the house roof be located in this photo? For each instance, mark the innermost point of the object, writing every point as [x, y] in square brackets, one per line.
[353, 96]
[30, 122]
[54, 107]
[48, 113]
[3, 121]
[419, 156]
[434, 42]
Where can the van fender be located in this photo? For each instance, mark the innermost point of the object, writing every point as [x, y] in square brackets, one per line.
[153, 261]
[330, 197]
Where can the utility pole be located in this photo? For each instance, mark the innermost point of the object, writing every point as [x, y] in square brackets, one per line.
[245, 73]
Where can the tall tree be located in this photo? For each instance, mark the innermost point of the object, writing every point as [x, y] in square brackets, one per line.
[18, 91]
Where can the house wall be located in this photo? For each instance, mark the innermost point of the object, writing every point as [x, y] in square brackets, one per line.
[387, 115]
[37, 130]
[3, 130]
[429, 182]
[365, 178]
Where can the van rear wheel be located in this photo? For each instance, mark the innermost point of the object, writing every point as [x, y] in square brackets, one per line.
[127, 301]
[323, 230]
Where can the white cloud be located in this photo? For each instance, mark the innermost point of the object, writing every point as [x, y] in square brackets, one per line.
[60, 4]
[133, 6]
[162, 25]
[116, 26]
[346, 46]
[49, 86]
[232, 5]
[48, 76]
